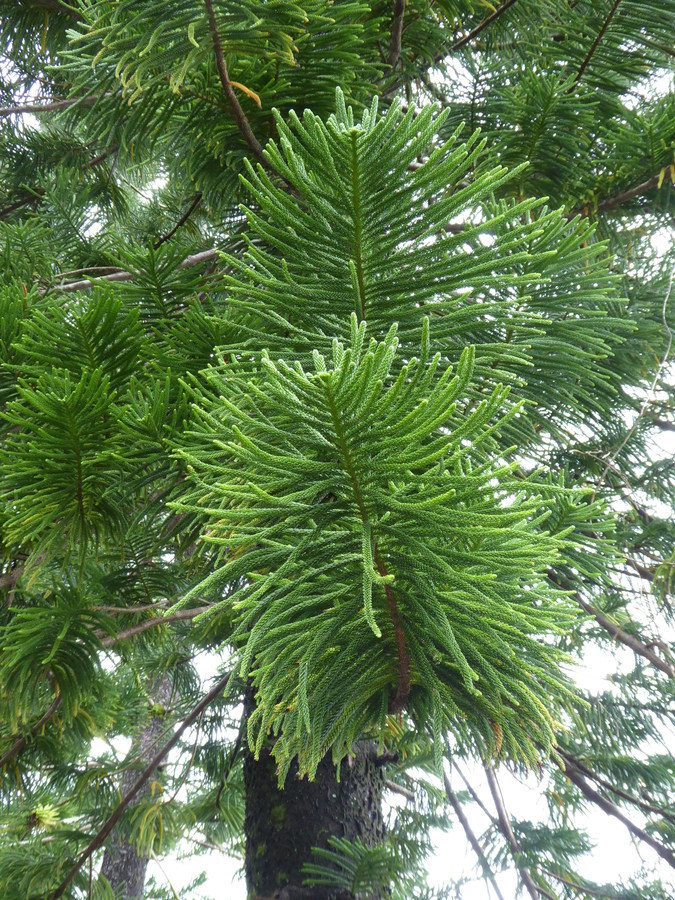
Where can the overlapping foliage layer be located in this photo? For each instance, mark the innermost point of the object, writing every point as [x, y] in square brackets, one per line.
[373, 402]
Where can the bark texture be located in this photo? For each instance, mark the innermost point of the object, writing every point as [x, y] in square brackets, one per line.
[283, 826]
[123, 866]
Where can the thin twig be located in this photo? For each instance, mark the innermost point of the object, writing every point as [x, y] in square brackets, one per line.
[607, 806]
[474, 796]
[21, 742]
[470, 836]
[235, 107]
[196, 200]
[507, 831]
[99, 838]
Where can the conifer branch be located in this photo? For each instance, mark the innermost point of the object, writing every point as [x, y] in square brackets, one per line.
[594, 46]
[52, 106]
[99, 838]
[20, 744]
[646, 807]
[398, 702]
[576, 777]
[56, 6]
[155, 622]
[505, 827]
[396, 33]
[470, 836]
[611, 203]
[123, 275]
[196, 200]
[462, 42]
[35, 194]
[235, 107]
[625, 638]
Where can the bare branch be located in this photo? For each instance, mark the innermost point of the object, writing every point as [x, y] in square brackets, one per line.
[21, 742]
[470, 836]
[99, 838]
[235, 107]
[396, 33]
[607, 806]
[46, 107]
[399, 789]
[505, 828]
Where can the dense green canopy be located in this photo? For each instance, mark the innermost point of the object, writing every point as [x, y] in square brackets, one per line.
[335, 354]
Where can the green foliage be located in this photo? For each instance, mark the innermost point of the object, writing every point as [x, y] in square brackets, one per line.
[377, 415]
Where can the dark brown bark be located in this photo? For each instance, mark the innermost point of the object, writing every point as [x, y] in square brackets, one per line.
[282, 826]
[122, 865]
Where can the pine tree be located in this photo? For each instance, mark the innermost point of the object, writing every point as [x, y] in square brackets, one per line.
[334, 404]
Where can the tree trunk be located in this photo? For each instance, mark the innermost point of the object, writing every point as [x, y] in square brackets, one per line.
[122, 865]
[282, 826]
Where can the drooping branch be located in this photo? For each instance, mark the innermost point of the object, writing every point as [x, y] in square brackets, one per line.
[235, 107]
[20, 744]
[505, 827]
[576, 777]
[470, 836]
[396, 33]
[615, 630]
[99, 838]
[462, 42]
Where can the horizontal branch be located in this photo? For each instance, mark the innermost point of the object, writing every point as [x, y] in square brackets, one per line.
[46, 107]
[155, 622]
[99, 838]
[576, 777]
[123, 275]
